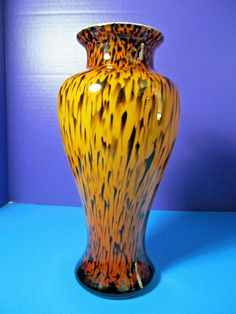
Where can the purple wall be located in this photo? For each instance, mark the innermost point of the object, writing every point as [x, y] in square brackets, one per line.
[3, 146]
[198, 54]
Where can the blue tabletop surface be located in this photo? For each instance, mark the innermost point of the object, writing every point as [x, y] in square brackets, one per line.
[195, 253]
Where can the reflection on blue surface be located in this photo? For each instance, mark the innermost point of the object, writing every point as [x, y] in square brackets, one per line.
[195, 254]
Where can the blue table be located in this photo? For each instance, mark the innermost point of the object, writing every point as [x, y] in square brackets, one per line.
[195, 253]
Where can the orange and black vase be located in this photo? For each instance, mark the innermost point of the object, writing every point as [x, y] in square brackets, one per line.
[118, 122]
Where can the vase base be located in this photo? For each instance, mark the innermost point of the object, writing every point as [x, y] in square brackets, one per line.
[121, 288]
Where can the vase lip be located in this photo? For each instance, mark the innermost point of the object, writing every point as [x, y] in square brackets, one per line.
[154, 34]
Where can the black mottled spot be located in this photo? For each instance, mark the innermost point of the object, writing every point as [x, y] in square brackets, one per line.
[60, 100]
[103, 143]
[115, 27]
[104, 82]
[131, 41]
[141, 216]
[137, 147]
[128, 203]
[161, 138]
[74, 120]
[109, 175]
[119, 48]
[85, 193]
[88, 35]
[111, 120]
[165, 163]
[148, 163]
[106, 205]
[106, 104]
[98, 156]
[155, 143]
[141, 124]
[80, 165]
[121, 96]
[123, 120]
[116, 249]
[121, 231]
[115, 192]
[130, 144]
[93, 29]
[125, 41]
[133, 267]
[92, 204]
[81, 100]
[90, 259]
[76, 169]
[133, 53]
[133, 229]
[101, 112]
[168, 82]
[149, 116]
[139, 98]
[90, 159]
[132, 90]
[102, 190]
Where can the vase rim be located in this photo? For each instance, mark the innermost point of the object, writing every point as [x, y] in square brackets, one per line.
[120, 23]
[155, 32]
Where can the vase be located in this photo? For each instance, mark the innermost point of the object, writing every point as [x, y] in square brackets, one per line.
[118, 121]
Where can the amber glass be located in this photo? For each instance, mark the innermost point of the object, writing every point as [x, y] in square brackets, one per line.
[118, 122]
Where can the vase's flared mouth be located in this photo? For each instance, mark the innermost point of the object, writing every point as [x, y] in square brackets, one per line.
[123, 30]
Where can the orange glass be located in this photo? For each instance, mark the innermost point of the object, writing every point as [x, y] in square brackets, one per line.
[118, 122]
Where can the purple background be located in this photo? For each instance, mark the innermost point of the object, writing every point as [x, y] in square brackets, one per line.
[3, 146]
[198, 55]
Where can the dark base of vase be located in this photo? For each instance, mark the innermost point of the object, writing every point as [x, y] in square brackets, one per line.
[111, 290]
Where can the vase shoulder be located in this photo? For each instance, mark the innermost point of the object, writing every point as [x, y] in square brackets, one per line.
[144, 77]
[118, 90]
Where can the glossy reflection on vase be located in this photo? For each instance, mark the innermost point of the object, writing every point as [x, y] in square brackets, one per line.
[118, 122]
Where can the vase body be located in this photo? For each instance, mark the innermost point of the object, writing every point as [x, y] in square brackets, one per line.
[118, 122]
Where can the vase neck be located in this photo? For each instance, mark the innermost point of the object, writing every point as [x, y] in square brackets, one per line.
[120, 44]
